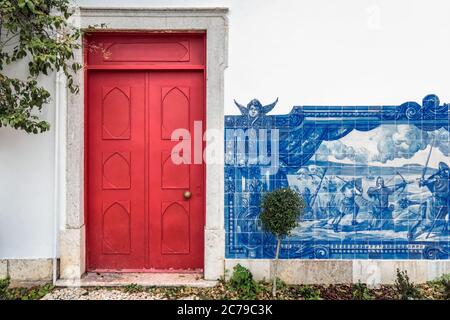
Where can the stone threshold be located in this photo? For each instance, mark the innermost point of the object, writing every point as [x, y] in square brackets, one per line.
[94, 279]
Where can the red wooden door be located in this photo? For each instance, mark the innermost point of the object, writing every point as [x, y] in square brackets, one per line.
[176, 223]
[115, 172]
[137, 215]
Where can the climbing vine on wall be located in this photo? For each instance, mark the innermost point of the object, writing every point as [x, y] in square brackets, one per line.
[38, 34]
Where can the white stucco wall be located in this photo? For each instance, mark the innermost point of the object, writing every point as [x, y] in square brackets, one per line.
[26, 186]
[350, 52]
[330, 52]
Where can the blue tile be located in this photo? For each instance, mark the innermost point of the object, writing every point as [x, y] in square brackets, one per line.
[340, 160]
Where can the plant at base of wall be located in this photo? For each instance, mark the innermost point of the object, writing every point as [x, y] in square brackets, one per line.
[37, 31]
[309, 293]
[242, 282]
[406, 289]
[445, 283]
[442, 285]
[30, 293]
[280, 212]
[4, 284]
[361, 292]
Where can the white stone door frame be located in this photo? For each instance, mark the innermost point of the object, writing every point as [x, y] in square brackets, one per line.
[212, 20]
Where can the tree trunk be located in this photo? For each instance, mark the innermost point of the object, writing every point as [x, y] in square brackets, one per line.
[275, 267]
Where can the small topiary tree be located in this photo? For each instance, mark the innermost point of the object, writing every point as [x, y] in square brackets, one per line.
[280, 211]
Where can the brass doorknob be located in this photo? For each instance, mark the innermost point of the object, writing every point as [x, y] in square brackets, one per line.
[187, 194]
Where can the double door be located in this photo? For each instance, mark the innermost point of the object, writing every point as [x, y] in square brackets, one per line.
[144, 210]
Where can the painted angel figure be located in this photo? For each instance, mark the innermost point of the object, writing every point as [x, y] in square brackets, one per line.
[255, 109]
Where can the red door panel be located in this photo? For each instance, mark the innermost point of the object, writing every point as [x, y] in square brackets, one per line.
[175, 228]
[116, 184]
[176, 224]
[138, 218]
[144, 49]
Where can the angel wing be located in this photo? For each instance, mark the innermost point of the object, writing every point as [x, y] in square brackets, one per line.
[269, 107]
[243, 109]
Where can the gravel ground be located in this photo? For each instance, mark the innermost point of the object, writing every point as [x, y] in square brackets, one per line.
[99, 294]
[430, 291]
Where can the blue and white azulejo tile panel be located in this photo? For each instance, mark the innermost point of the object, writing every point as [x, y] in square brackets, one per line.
[376, 180]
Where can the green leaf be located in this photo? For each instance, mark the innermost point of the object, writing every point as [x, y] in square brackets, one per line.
[30, 6]
[21, 3]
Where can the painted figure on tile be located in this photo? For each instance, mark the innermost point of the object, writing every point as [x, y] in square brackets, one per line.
[255, 185]
[349, 190]
[434, 212]
[382, 209]
[307, 197]
[255, 109]
[330, 206]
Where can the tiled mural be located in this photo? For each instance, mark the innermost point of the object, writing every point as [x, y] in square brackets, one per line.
[375, 180]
